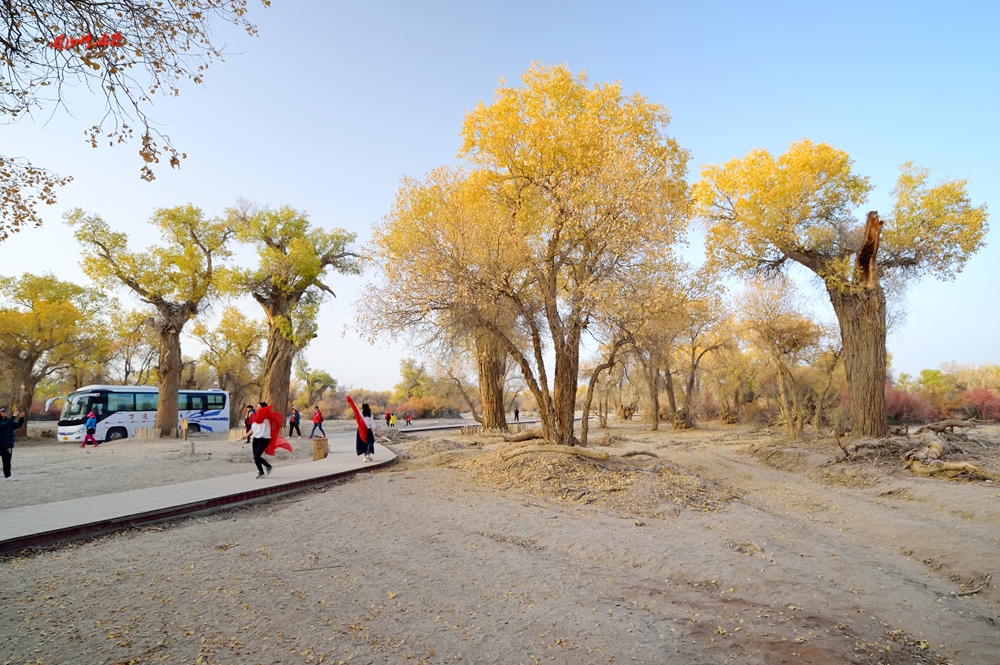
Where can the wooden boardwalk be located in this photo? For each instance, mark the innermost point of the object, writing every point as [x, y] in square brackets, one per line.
[49, 523]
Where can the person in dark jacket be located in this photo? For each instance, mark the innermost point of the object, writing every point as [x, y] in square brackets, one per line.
[293, 422]
[7, 428]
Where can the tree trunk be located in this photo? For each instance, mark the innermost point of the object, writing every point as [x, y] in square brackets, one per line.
[25, 396]
[277, 370]
[826, 391]
[861, 314]
[564, 388]
[786, 405]
[169, 375]
[490, 363]
[653, 380]
[588, 400]
[668, 383]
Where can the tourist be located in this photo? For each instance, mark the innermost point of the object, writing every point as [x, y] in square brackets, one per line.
[387, 417]
[392, 420]
[409, 421]
[317, 423]
[7, 428]
[365, 440]
[517, 414]
[260, 433]
[91, 427]
[248, 420]
[293, 422]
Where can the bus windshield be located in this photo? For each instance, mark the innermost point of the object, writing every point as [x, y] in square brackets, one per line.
[76, 407]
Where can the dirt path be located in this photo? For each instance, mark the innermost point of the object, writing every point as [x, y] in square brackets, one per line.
[418, 563]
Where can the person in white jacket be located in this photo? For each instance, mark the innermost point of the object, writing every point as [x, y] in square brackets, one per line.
[260, 436]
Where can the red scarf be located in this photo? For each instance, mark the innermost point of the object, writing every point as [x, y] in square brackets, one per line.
[362, 427]
[276, 420]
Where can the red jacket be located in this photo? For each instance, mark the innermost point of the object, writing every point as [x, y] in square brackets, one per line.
[317, 417]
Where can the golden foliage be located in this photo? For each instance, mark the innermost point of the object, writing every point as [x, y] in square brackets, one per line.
[761, 212]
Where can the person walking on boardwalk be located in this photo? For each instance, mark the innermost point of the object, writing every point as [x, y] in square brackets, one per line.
[293, 422]
[408, 420]
[248, 420]
[365, 441]
[392, 420]
[387, 417]
[7, 428]
[517, 415]
[91, 427]
[317, 423]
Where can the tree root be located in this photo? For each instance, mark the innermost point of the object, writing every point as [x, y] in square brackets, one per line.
[957, 594]
[950, 469]
[567, 450]
[949, 425]
[633, 453]
[526, 435]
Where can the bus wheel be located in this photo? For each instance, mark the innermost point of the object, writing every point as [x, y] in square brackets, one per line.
[194, 429]
[116, 434]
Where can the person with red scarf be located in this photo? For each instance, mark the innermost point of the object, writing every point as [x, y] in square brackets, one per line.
[365, 442]
[265, 437]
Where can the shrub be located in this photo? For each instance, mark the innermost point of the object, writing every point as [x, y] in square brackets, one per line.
[426, 407]
[904, 407]
[981, 403]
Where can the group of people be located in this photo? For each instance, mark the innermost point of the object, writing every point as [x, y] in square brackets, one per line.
[294, 420]
[390, 419]
[263, 425]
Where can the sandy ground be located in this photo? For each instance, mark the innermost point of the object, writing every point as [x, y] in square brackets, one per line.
[727, 546]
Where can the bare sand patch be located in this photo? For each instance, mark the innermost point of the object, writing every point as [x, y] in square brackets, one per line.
[452, 556]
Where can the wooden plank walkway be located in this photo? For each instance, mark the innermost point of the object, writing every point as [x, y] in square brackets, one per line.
[49, 523]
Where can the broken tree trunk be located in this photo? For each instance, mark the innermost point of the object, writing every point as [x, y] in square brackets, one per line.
[950, 469]
[949, 425]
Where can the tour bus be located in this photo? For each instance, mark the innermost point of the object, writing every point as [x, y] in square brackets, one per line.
[121, 409]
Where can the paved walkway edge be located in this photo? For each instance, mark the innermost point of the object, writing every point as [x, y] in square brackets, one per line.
[204, 507]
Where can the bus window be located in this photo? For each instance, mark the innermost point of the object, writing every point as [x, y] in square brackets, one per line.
[216, 401]
[196, 402]
[146, 401]
[121, 402]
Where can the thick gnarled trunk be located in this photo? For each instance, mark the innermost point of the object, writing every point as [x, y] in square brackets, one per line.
[564, 388]
[277, 370]
[862, 329]
[490, 362]
[169, 377]
[860, 311]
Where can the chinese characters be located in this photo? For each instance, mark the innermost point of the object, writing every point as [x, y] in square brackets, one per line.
[62, 42]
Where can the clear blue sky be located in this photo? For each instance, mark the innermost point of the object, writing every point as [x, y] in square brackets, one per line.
[333, 102]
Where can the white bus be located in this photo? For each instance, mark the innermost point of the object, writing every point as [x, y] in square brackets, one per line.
[121, 409]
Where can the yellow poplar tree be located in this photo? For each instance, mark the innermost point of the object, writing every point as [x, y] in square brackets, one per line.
[43, 327]
[177, 278]
[763, 212]
[585, 186]
[288, 283]
[572, 188]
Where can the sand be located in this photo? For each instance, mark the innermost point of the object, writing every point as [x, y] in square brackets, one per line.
[728, 546]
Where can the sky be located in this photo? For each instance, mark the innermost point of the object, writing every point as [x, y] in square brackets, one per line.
[332, 103]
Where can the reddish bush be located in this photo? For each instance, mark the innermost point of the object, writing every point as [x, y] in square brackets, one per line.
[425, 407]
[981, 403]
[903, 407]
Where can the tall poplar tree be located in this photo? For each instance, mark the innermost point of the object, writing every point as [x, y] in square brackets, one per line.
[177, 278]
[288, 283]
[764, 213]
